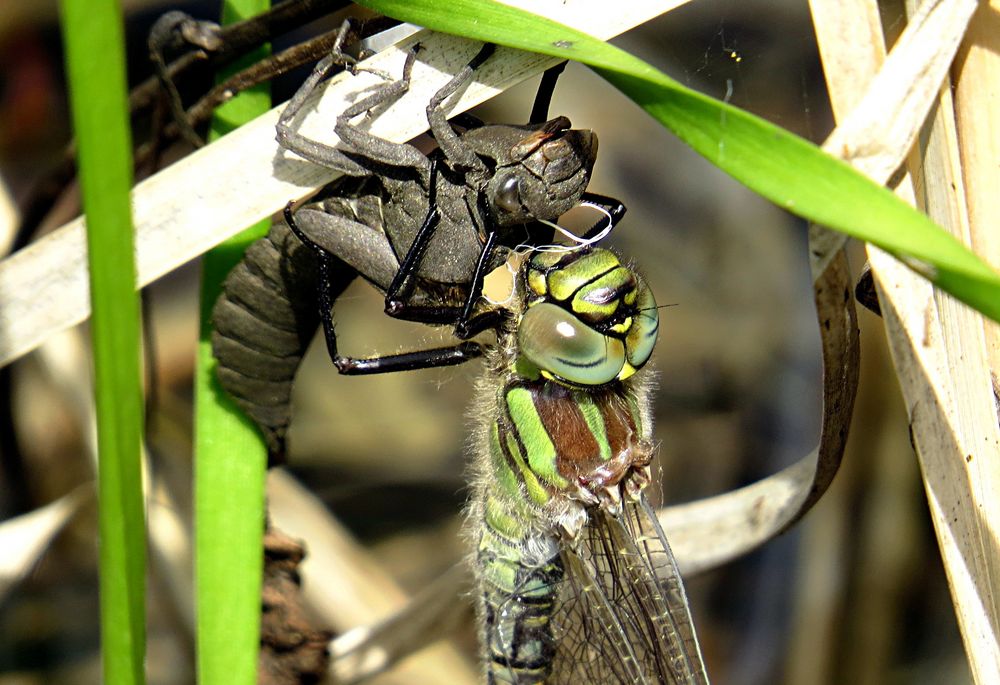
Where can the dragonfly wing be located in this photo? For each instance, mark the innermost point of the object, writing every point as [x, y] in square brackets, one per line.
[672, 644]
[623, 615]
[592, 646]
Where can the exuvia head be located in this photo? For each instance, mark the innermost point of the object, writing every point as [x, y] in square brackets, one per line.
[538, 172]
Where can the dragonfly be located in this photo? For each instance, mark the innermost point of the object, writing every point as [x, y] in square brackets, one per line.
[424, 229]
[577, 583]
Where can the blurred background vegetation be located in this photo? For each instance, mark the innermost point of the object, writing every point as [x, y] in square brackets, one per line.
[854, 594]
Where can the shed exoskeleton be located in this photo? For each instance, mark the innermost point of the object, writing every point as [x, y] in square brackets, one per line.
[424, 229]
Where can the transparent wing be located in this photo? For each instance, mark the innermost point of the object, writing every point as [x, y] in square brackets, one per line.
[592, 646]
[622, 615]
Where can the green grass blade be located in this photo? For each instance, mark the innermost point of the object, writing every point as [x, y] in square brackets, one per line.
[92, 33]
[230, 457]
[788, 170]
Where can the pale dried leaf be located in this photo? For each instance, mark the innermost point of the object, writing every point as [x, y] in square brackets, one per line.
[348, 589]
[8, 217]
[875, 137]
[25, 538]
[712, 531]
[939, 349]
[365, 651]
[881, 125]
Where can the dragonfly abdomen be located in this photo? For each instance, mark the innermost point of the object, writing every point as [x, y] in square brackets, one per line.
[519, 566]
[518, 596]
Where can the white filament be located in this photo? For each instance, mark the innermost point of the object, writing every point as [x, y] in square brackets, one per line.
[579, 243]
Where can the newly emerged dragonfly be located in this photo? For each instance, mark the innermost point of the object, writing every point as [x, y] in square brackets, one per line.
[424, 229]
[577, 582]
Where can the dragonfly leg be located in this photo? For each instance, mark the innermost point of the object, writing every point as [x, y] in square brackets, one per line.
[468, 325]
[467, 121]
[401, 286]
[397, 298]
[458, 152]
[476, 324]
[367, 251]
[409, 361]
[543, 98]
[330, 235]
[371, 146]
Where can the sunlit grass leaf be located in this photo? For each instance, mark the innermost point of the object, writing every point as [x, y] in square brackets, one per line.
[788, 170]
[95, 59]
[230, 455]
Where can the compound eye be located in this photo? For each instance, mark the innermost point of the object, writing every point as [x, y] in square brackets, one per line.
[555, 341]
[508, 195]
[642, 336]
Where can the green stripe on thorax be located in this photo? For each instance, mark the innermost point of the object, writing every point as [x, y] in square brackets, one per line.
[510, 467]
[502, 472]
[595, 422]
[562, 438]
[536, 491]
[533, 436]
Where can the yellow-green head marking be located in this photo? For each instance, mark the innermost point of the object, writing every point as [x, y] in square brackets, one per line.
[588, 320]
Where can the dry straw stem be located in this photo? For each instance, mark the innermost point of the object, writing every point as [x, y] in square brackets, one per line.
[8, 216]
[63, 361]
[25, 538]
[880, 113]
[941, 349]
[977, 113]
[349, 590]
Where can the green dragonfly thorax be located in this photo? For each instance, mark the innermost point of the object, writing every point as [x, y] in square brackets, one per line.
[570, 448]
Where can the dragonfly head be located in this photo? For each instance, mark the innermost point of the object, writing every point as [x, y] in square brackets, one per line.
[588, 320]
